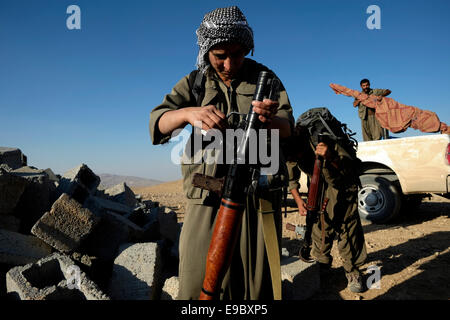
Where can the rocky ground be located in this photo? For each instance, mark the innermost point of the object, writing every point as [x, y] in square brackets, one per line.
[412, 253]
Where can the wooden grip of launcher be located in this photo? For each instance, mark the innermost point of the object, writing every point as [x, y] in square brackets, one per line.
[314, 186]
[223, 241]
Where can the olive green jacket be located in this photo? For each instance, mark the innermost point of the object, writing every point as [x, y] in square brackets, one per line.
[362, 109]
[237, 97]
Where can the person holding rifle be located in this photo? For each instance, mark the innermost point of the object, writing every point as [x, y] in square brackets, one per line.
[338, 182]
[226, 87]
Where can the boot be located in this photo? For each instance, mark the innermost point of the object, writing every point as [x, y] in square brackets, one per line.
[355, 283]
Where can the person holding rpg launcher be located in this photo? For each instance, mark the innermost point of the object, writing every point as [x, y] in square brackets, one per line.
[338, 184]
[224, 92]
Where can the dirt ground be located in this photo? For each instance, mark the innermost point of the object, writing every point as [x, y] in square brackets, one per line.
[412, 252]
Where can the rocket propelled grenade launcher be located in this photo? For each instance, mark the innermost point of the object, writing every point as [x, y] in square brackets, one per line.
[240, 180]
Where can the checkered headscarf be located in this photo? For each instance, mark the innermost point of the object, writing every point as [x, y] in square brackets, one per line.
[222, 25]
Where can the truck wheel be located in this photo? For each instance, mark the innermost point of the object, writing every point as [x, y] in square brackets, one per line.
[378, 199]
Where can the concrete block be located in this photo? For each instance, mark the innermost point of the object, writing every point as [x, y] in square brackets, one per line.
[119, 224]
[84, 175]
[97, 269]
[37, 197]
[149, 204]
[11, 189]
[13, 157]
[168, 225]
[51, 175]
[112, 231]
[123, 194]
[66, 225]
[18, 249]
[99, 205]
[141, 216]
[5, 167]
[300, 280]
[82, 259]
[148, 221]
[10, 223]
[170, 289]
[137, 272]
[55, 277]
[79, 183]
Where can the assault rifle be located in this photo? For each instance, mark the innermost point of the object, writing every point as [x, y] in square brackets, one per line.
[241, 180]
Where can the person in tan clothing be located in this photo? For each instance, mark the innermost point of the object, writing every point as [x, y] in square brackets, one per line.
[229, 81]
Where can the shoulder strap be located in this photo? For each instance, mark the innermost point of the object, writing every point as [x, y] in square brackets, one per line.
[197, 85]
[272, 245]
[327, 126]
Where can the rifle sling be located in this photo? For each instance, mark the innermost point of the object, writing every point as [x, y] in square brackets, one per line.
[324, 203]
[326, 126]
[322, 227]
[271, 242]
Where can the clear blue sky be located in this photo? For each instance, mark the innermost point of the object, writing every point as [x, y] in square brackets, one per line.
[84, 96]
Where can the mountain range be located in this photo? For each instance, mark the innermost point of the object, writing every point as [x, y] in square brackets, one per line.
[108, 180]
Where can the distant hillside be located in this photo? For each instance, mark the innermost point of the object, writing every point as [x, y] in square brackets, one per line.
[165, 188]
[108, 180]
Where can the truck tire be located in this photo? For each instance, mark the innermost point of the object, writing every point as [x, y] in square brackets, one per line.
[379, 199]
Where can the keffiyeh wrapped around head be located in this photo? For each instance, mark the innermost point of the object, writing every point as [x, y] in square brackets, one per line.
[222, 25]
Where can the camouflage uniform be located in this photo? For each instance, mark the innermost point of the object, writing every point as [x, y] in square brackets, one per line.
[371, 129]
[248, 276]
[341, 219]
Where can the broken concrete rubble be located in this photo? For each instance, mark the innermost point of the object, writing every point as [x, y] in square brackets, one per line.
[170, 289]
[11, 189]
[55, 277]
[112, 230]
[143, 216]
[79, 183]
[66, 225]
[169, 227]
[122, 194]
[100, 205]
[137, 272]
[89, 227]
[18, 249]
[9, 222]
[123, 246]
[36, 199]
[117, 226]
[13, 157]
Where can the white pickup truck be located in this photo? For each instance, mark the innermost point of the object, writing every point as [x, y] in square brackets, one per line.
[401, 171]
[398, 173]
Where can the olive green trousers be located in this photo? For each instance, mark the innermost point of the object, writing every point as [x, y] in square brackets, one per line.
[248, 277]
[371, 128]
[341, 221]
